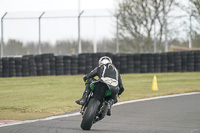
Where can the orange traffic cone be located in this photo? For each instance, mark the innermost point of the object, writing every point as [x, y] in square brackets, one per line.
[154, 84]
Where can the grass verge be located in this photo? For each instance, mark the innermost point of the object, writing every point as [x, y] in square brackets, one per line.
[26, 98]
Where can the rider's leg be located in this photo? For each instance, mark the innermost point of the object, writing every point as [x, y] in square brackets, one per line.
[112, 100]
[110, 103]
[85, 94]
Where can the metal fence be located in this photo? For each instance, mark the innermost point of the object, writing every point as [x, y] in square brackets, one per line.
[88, 25]
[44, 26]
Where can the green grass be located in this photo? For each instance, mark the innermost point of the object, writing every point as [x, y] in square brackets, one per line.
[37, 97]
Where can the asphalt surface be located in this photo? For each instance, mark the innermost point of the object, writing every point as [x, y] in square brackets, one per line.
[179, 114]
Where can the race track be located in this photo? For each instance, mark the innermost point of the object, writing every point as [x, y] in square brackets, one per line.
[171, 114]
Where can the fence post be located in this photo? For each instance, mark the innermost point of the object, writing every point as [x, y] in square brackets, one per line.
[79, 34]
[190, 37]
[155, 35]
[165, 28]
[2, 41]
[40, 51]
[117, 34]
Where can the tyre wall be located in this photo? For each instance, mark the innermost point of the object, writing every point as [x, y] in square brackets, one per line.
[50, 64]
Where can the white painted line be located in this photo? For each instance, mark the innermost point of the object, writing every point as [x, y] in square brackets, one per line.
[77, 113]
[45, 119]
[154, 98]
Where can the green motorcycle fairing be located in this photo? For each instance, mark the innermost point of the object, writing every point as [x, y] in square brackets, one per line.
[108, 92]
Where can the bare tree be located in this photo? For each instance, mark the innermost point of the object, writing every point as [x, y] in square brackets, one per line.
[137, 18]
[194, 11]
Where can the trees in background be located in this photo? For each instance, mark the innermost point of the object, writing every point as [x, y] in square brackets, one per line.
[62, 47]
[194, 11]
[137, 19]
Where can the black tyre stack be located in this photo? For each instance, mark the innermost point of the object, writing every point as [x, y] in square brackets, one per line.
[106, 54]
[183, 61]
[25, 66]
[137, 63]
[197, 61]
[52, 64]
[1, 68]
[130, 63]
[144, 63]
[177, 62]
[116, 61]
[123, 63]
[157, 63]
[32, 66]
[18, 66]
[12, 72]
[46, 64]
[89, 63]
[39, 66]
[5, 62]
[150, 63]
[164, 62]
[190, 61]
[67, 64]
[59, 65]
[95, 59]
[81, 63]
[74, 65]
[170, 61]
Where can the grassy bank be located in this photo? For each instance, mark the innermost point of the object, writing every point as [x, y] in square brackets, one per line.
[37, 97]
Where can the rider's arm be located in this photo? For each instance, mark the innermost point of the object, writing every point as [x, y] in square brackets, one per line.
[93, 73]
[121, 87]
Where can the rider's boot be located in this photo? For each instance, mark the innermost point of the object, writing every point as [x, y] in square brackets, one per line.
[110, 103]
[85, 95]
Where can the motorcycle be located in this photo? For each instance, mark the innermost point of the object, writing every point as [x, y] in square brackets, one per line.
[96, 106]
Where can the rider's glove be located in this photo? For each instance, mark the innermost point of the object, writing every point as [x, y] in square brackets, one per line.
[85, 78]
[121, 91]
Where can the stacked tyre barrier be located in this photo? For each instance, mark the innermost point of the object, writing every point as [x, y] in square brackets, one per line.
[74, 65]
[5, 65]
[116, 61]
[197, 61]
[89, 63]
[67, 64]
[1, 68]
[59, 65]
[157, 63]
[81, 63]
[46, 64]
[137, 63]
[12, 72]
[18, 66]
[184, 61]
[39, 66]
[49, 64]
[52, 64]
[25, 66]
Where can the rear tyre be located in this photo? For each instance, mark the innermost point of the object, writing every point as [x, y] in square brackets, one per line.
[90, 114]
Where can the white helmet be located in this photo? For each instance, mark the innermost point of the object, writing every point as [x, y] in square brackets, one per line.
[105, 60]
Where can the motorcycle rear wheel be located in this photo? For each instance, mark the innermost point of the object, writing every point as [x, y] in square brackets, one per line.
[89, 115]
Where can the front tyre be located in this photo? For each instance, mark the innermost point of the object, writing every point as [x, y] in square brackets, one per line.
[90, 114]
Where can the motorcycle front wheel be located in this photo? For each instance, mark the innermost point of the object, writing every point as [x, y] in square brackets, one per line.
[90, 113]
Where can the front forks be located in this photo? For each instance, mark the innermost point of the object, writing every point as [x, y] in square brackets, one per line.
[84, 107]
[102, 112]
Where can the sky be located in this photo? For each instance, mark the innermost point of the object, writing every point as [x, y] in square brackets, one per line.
[56, 29]
[53, 5]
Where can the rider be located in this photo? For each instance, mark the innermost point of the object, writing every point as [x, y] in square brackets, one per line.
[107, 74]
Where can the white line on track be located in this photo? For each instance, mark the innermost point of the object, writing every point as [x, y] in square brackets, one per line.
[77, 113]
